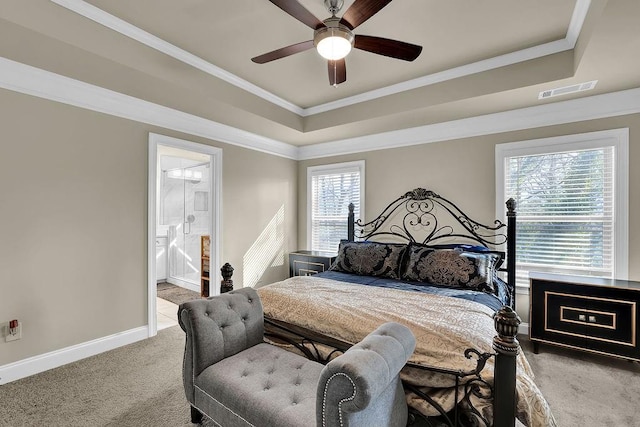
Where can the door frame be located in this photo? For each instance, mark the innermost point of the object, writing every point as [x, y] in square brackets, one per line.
[215, 177]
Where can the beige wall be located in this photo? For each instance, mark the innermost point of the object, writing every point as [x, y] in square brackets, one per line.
[464, 171]
[73, 191]
[73, 209]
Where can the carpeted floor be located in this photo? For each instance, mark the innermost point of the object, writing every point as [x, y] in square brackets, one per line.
[176, 294]
[136, 385]
[587, 389]
[141, 385]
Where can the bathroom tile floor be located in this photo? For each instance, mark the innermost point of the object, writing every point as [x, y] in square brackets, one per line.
[167, 313]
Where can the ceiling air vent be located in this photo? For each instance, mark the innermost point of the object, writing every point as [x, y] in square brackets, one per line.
[567, 89]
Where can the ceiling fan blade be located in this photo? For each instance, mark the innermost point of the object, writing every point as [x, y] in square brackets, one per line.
[295, 9]
[282, 52]
[392, 48]
[361, 10]
[337, 72]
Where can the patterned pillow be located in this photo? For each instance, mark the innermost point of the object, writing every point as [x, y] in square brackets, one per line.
[453, 268]
[369, 259]
[464, 247]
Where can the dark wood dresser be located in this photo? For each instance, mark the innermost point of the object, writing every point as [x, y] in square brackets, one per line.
[586, 313]
[307, 263]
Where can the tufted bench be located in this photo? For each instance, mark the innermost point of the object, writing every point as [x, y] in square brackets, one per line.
[233, 377]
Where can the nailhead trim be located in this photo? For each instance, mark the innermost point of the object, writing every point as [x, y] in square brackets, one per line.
[324, 397]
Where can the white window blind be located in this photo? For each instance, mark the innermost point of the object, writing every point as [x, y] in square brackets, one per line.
[331, 189]
[565, 211]
[568, 215]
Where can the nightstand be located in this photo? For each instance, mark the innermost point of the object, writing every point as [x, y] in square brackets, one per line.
[593, 314]
[308, 263]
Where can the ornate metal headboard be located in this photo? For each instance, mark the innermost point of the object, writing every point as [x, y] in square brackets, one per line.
[417, 217]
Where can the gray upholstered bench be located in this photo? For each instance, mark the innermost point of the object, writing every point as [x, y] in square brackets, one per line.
[233, 377]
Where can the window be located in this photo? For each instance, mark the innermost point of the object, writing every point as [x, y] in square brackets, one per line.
[571, 201]
[330, 189]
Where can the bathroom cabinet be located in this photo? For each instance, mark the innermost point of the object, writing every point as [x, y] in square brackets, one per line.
[205, 251]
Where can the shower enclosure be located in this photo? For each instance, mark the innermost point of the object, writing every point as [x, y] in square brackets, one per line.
[184, 211]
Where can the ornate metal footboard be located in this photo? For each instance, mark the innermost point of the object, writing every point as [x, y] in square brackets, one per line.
[412, 218]
[467, 383]
[423, 216]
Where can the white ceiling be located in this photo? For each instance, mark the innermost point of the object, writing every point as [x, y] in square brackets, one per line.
[194, 55]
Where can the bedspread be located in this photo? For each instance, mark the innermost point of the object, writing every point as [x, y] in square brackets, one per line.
[444, 327]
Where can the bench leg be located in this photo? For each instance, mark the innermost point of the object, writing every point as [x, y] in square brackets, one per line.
[196, 416]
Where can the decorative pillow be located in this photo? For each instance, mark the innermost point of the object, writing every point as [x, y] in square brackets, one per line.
[452, 268]
[369, 259]
[468, 248]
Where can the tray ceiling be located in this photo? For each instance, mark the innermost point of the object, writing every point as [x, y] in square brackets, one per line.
[453, 33]
[194, 56]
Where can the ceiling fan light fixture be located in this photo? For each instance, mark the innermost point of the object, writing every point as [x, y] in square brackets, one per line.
[333, 38]
[333, 43]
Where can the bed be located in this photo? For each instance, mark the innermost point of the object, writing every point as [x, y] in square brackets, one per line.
[424, 263]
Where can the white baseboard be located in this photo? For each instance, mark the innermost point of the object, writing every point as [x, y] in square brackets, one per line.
[43, 362]
[183, 284]
[36, 364]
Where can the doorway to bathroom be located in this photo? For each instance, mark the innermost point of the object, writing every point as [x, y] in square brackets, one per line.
[184, 214]
[184, 204]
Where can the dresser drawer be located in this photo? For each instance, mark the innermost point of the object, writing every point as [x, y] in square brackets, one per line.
[599, 320]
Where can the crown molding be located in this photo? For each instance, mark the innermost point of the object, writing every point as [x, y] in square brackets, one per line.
[569, 42]
[577, 21]
[45, 84]
[101, 17]
[575, 110]
[443, 76]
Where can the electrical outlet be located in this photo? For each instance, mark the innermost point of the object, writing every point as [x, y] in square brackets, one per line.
[8, 336]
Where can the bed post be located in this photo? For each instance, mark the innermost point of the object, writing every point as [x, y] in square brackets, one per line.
[351, 224]
[506, 346]
[511, 249]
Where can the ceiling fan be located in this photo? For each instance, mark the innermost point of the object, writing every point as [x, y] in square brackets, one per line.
[334, 38]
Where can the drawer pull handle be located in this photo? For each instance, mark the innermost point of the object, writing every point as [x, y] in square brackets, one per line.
[582, 317]
[592, 319]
